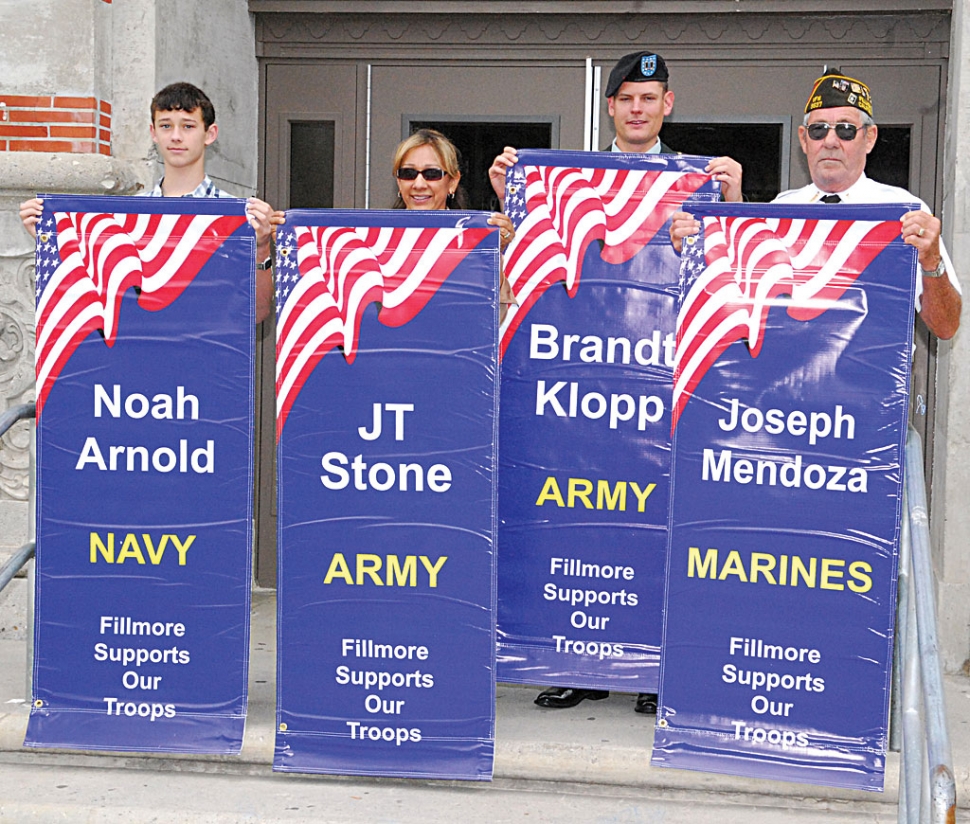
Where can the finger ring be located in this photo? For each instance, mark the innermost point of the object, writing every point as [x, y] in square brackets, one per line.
[506, 234]
[920, 232]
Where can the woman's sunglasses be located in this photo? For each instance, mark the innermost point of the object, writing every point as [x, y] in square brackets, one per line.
[843, 131]
[428, 174]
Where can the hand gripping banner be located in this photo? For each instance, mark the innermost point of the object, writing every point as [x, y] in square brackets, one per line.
[794, 341]
[144, 360]
[387, 393]
[585, 423]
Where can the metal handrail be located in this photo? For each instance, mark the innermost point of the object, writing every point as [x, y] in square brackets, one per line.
[22, 557]
[931, 795]
[16, 413]
[16, 562]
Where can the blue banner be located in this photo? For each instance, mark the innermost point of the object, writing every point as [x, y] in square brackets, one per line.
[144, 474]
[794, 341]
[387, 393]
[585, 425]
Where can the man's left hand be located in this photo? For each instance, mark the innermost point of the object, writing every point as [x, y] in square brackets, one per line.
[682, 225]
[921, 230]
[727, 172]
[259, 213]
[940, 303]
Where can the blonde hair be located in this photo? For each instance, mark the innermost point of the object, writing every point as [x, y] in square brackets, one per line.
[447, 154]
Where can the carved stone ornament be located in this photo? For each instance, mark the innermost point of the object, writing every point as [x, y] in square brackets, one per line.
[16, 370]
[339, 32]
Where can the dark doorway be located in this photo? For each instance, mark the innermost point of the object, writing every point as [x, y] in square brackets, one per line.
[479, 143]
[311, 179]
[756, 146]
[888, 162]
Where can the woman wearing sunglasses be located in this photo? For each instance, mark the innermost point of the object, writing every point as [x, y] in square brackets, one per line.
[427, 174]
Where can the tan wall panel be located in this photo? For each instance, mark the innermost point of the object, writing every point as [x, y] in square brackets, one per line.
[495, 92]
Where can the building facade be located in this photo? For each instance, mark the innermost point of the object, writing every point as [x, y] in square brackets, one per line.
[313, 95]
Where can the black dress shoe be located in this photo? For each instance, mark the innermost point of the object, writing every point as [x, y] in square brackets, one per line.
[559, 698]
[646, 703]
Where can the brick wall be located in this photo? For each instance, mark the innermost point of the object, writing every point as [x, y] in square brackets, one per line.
[31, 123]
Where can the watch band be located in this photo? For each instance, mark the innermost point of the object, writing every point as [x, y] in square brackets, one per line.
[938, 272]
[266, 264]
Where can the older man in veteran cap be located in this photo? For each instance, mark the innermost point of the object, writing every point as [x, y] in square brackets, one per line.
[638, 99]
[837, 135]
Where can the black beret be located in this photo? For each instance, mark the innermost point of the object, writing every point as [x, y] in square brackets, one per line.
[637, 68]
[834, 90]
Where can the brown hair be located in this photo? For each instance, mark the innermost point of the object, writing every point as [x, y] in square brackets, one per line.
[184, 97]
[447, 154]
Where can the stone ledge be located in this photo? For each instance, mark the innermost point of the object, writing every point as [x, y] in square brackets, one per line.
[23, 174]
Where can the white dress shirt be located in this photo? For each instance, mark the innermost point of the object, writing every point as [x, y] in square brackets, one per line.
[865, 190]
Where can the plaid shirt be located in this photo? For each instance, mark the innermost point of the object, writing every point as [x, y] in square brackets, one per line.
[205, 189]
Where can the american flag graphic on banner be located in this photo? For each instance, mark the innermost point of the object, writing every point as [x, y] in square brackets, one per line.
[86, 261]
[739, 267]
[559, 210]
[328, 275]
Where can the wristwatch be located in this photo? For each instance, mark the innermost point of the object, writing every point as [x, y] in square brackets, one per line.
[266, 264]
[938, 272]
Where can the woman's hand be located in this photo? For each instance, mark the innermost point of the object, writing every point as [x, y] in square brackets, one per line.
[506, 231]
[496, 172]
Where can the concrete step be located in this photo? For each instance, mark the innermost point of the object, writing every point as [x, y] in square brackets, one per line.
[35, 793]
[590, 763]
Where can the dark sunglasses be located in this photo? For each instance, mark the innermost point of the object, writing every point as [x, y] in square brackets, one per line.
[843, 131]
[407, 173]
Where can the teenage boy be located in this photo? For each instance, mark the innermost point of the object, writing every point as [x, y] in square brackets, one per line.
[183, 125]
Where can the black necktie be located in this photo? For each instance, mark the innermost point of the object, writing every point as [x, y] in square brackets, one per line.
[831, 199]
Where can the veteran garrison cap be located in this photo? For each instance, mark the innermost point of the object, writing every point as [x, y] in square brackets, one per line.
[637, 67]
[834, 89]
